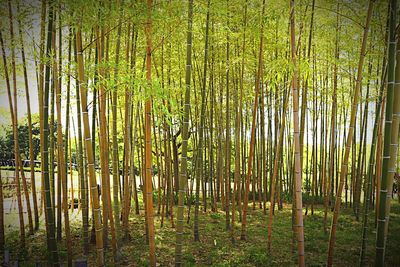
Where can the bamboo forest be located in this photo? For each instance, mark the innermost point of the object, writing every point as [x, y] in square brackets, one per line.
[199, 133]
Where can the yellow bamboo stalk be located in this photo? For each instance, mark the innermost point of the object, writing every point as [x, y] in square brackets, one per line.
[89, 152]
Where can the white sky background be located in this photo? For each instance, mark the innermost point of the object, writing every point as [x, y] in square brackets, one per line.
[31, 35]
[29, 32]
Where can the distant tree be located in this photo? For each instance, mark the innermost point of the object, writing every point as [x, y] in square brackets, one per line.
[7, 141]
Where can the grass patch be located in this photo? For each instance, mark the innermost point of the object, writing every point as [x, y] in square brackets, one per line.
[216, 248]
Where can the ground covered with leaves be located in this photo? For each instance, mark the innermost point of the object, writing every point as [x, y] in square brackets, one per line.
[216, 248]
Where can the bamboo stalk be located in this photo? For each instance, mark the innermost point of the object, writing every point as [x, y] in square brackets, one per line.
[296, 132]
[185, 137]
[147, 137]
[243, 235]
[389, 141]
[89, 152]
[344, 164]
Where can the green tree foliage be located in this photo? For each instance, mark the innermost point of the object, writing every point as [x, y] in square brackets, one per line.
[7, 140]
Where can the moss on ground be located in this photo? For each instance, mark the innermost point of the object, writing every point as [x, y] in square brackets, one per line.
[216, 248]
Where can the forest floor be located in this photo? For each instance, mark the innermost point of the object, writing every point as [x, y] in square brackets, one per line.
[216, 248]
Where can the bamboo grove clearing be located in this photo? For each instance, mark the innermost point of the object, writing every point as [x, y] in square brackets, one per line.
[195, 133]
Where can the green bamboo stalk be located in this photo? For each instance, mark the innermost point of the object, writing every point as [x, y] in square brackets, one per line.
[199, 165]
[371, 163]
[62, 170]
[52, 245]
[387, 169]
[185, 137]
[243, 235]
[82, 180]
[344, 166]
